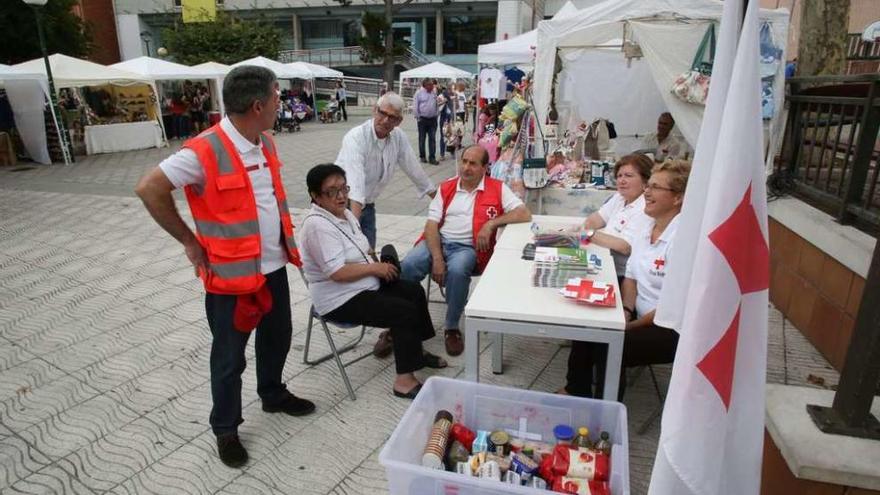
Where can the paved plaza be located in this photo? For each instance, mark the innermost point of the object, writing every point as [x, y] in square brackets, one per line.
[104, 384]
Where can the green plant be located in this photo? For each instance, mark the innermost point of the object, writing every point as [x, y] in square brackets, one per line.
[227, 40]
[65, 32]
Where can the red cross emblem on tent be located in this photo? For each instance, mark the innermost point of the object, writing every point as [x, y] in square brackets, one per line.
[491, 212]
[659, 263]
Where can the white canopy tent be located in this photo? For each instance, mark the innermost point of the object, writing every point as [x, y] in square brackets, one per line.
[282, 71]
[213, 69]
[163, 70]
[317, 71]
[435, 70]
[519, 50]
[70, 72]
[28, 93]
[598, 81]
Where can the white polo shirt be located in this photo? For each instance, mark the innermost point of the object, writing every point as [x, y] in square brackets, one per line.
[183, 169]
[647, 266]
[625, 221]
[326, 244]
[459, 223]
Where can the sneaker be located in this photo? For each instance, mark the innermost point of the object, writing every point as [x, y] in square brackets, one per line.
[231, 451]
[292, 405]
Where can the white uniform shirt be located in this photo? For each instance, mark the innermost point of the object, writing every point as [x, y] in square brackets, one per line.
[458, 226]
[183, 169]
[625, 221]
[325, 249]
[647, 266]
[369, 162]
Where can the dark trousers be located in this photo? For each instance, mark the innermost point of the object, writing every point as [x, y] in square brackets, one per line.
[227, 353]
[641, 346]
[427, 129]
[342, 106]
[400, 307]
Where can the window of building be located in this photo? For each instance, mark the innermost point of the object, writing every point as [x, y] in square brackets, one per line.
[464, 33]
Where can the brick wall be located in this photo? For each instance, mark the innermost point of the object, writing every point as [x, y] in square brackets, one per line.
[99, 15]
[819, 295]
[777, 479]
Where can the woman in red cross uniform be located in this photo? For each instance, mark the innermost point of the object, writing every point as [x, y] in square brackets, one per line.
[644, 343]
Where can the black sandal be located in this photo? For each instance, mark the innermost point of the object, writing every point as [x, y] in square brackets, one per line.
[408, 395]
[434, 361]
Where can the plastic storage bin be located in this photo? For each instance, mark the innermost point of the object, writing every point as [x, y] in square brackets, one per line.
[488, 407]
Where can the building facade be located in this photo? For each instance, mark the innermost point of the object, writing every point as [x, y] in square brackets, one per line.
[445, 30]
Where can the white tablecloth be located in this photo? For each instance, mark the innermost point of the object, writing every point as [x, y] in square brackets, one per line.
[122, 137]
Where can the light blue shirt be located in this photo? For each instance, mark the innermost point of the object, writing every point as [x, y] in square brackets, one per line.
[425, 104]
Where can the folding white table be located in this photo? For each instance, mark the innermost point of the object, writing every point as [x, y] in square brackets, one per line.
[505, 302]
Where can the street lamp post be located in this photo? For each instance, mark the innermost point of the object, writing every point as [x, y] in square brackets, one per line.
[53, 100]
[147, 37]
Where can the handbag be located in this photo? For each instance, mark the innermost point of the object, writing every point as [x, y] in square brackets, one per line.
[692, 86]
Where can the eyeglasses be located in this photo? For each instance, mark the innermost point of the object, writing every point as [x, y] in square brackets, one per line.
[389, 116]
[334, 192]
[655, 187]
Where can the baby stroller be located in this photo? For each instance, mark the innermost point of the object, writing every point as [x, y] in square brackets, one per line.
[285, 120]
[331, 113]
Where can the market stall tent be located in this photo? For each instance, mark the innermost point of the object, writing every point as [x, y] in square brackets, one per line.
[317, 71]
[71, 72]
[28, 93]
[434, 70]
[604, 83]
[163, 70]
[282, 71]
[213, 69]
[519, 50]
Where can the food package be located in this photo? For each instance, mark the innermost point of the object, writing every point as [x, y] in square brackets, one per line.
[579, 486]
[583, 463]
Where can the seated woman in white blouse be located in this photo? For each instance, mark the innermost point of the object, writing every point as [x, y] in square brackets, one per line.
[644, 342]
[623, 216]
[348, 285]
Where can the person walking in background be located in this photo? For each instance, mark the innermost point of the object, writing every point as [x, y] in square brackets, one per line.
[444, 103]
[341, 98]
[426, 111]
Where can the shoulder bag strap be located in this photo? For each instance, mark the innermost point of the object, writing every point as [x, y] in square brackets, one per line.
[367, 259]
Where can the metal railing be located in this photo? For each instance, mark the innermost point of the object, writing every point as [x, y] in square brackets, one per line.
[859, 49]
[830, 151]
[345, 56]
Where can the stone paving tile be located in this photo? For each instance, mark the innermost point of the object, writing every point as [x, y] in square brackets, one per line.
[104, 383]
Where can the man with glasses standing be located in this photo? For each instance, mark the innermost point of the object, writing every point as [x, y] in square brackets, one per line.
[370, 154]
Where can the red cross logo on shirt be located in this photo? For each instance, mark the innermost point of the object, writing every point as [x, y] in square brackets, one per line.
[491, 212]
[659, 263]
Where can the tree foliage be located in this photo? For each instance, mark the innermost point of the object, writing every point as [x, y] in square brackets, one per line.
[64, 31]
[227, 40]
[822, 43]
[379, 42]
[373, 43]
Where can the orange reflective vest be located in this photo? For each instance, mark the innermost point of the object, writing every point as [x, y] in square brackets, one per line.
[225, 213]
[487, 206]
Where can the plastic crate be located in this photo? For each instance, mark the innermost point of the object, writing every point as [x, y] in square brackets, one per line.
[488, 407]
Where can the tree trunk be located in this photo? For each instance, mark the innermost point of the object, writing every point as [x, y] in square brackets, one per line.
[822, 43]
[388, 56]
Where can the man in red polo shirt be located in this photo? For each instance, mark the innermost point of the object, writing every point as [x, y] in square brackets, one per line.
[460, 235]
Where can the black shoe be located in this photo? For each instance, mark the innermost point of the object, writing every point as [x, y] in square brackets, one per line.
[434, 162]
[231, 451]
[292, 405]
[423, 160]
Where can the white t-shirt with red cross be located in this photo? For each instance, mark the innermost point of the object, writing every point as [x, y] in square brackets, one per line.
[626, 221]
[647, 266]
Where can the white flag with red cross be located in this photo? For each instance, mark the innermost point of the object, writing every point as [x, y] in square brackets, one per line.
[713, 420]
